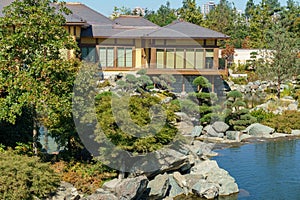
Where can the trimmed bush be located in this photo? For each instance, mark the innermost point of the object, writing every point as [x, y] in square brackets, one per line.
[23, 177]
[285, 123]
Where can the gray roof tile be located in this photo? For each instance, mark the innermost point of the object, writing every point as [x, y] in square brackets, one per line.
[182, 29]
[131, 20]
[88, 14]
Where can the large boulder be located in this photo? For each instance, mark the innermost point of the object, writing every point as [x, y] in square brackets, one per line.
[101, 194]
[162, 161]
[211, 172]
[210, 131]
[259, 130]
[202, 149]
[158, 187]
[296, 132]
[206, 189]
[66, 191]
[220, 127]
[197, 130]
[233, 135]
[126, 189]
[174, 188]
[185, 128]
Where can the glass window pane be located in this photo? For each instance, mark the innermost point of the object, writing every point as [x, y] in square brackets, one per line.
[170, 59]
[190, 58]
[110, 57]
[84, 53]
[102, 56]
[160, 58]
[128, 57]
[209, 59]
[121, 57]
[91, 54]
[179, 58]
[199, 59]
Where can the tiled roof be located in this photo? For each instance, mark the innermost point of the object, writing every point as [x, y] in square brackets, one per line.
[134, 21]
[182, 29]
[91, 16]
[115, 31]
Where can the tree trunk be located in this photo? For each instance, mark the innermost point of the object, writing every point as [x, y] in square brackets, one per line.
[278, 88]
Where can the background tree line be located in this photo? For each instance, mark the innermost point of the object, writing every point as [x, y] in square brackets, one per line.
[247, 29]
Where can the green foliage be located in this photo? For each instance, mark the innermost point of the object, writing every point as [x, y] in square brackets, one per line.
[86, 177]
[282, 62]
[164, 81]
[239, 80]
[190, 12]
[23, 177]
[262, 115]
[163, 16]
[284, 123]
[201, 82]
[154, 136]
[201, 104]
[236, 114]
[33, 72]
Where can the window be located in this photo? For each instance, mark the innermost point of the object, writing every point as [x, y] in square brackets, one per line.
[170, 59]
[199, 59]
[179, 58]
[122, 55]
[185, 58]
[190, 59]
[209, 59]
[106, 56]
[88, 54]
[160, 58]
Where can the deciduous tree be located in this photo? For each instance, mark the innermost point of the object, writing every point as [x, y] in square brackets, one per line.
[33, 72]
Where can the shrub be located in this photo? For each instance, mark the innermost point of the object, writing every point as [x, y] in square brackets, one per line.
[285, 123]
[23, 177]
[86, 177]
[239, 81]
[262, 115]
[236, 114]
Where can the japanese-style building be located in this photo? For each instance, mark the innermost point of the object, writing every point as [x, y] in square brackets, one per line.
[130, 43]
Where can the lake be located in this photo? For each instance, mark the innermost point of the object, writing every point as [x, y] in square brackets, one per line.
[269, 170]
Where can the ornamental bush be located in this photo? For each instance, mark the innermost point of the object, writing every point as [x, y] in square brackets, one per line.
[23, 177]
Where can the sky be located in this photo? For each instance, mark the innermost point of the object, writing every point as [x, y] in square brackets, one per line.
[106, 6]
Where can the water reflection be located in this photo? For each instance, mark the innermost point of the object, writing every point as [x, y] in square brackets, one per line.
[267, 170]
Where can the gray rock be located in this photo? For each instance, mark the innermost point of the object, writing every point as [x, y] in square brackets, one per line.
[211, 172]
[259, 130]
[220, 127]
[162, 161]
[111, 185]
[185, 128]
[292, 106]
[206, 190]
[244, 137]
[181, 116]
[175, 189]
[232, 135]
[98, 196]
[129, 188]
[180, 179]
[201, 148]
[196, 132]
[159, 186]
[210, 131]
[296, 132]
[192, 179]
[66, 191]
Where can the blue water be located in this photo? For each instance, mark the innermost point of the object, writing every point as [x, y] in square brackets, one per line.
[264, 171]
